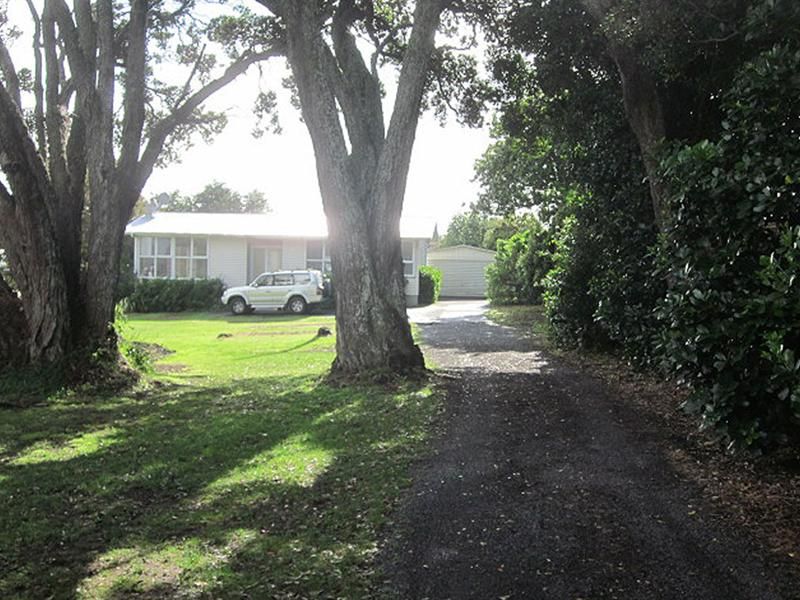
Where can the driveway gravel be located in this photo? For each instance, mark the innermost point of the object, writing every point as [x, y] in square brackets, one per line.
[543, 484]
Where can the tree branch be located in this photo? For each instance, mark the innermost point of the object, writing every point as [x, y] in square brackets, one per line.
[133, 121]
[54, 118]
[9, 73]
[166, 126]
[38, 85]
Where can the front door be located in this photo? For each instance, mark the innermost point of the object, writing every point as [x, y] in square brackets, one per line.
[264, 259]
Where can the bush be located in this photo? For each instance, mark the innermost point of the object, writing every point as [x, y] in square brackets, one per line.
[175, 295]
[430, 284]
[732, 251]
[519, 268]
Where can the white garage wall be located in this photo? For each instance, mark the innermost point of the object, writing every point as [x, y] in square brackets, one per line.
[463, 270]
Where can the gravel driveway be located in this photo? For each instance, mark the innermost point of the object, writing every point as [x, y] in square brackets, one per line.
[543, 485]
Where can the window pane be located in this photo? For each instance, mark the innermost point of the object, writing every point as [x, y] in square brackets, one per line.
[200, 268]
[314, 249]
[146, 246]
[283, 279]
[147, 267]
[163, 246]
[162, 268]
[314, 264]
[302, 278]
[182, 268]
[408, 268]
[183, 246]
[200, 247]
[264, 280]
[408, 250]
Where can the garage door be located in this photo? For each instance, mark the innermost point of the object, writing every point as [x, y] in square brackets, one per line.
[462, 277]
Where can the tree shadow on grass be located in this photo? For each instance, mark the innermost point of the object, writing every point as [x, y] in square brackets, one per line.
[254, 489]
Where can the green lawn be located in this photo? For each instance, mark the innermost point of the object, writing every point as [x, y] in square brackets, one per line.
[239, 475]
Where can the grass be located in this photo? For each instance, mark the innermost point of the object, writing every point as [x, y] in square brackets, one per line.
[239, 474]
[529, 319]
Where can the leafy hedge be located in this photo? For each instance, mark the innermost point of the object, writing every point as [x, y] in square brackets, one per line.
[731, 318]
[519, 268]
[175, 295]
[430, 284]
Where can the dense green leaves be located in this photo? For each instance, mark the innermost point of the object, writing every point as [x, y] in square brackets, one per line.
[732, 315]
[521, 264]
[175, 295]
[430, 284]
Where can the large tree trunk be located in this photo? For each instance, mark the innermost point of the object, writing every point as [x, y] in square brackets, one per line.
[26, 235]
[362, 189]
[12, 328]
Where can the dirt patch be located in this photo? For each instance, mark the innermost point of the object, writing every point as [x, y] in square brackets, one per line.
[153, 351]
[170, 368]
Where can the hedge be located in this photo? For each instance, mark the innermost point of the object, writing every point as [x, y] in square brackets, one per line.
[175, 295]
[430, 284]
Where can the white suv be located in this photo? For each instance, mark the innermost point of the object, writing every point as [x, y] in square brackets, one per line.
[294, 291]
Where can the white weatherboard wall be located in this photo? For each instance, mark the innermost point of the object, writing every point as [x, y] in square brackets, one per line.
[227, 259]
[463, 270]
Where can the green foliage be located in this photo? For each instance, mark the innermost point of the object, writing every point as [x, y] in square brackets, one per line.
[520, 265]
[467, 228]
[218, 197]
[732, 314]
[430, 284]
[132, 352]
[175, 295]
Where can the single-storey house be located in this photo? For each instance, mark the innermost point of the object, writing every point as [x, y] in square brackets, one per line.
[463, 270]
[236, 248]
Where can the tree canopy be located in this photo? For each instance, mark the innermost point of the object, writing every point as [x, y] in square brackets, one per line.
[218, 197]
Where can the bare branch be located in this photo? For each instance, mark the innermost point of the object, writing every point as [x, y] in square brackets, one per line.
[134, 100]
[9, 73]
[38, 85]
[54, 116]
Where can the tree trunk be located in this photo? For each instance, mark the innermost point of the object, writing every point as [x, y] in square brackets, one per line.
[646, 118]
[27, 236]
[12, 328]
[362, 189]
[642, 106]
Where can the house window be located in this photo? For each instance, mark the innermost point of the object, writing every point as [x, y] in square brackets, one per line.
[317, 256]
[408, 258]
[173, 258]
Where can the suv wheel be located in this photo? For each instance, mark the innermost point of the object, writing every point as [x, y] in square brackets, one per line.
[296, 305]
[238, 306]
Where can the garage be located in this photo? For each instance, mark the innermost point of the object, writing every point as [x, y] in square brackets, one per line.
[463, 270]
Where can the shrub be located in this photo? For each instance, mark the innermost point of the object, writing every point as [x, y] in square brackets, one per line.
[430, 284]
[519, 268]
[732, 251]
[176, 295]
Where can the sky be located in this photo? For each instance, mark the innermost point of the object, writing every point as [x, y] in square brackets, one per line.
[282, 166]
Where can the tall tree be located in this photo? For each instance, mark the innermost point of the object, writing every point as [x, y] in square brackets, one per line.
[100, 121]
[362, 164]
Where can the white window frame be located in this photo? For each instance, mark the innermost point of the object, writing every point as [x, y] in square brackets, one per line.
[411, 261]
[155, 256]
